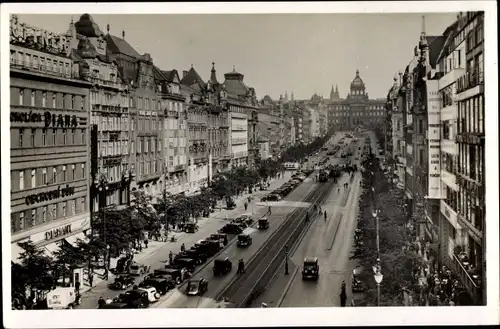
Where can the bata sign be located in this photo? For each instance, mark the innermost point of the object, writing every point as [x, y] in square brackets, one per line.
[50, 195]
[49, 120]
[434, 139]
[32, 37]
[58, 232]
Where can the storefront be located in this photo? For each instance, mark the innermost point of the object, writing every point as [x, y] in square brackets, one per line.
[49, 237]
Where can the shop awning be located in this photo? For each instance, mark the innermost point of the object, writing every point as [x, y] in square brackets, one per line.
[73, 239]
[51, 248]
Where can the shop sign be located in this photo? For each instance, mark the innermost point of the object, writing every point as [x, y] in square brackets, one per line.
[58, 232]
[36, 38]
[49, 119]
[434, 139]
[50, 195]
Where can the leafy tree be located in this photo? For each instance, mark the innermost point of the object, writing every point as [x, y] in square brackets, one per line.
[67, 258]
[34, 271]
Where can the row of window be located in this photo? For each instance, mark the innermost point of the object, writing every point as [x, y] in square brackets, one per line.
[106, 98]
[111, 148]
[40, 177]
[47, 64]
[174, 124]
[25, 220]
[367, 113]
[111, 123]
[148, 167]
[471, 115]
[471, 161]
[470, 208]
[44, 98]
[114, 173]
[40, 137]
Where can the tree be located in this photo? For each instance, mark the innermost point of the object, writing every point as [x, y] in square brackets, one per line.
[67, 259]
[34, 271]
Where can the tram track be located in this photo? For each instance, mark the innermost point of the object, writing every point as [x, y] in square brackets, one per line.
[267, 259]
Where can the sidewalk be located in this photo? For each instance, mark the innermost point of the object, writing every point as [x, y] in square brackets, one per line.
[157, 252]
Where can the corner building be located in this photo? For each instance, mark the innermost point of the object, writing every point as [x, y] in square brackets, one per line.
[49, 120]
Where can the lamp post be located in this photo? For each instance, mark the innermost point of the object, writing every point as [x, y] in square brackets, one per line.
[103, 188]
[378, 278]
[375, 217]
[286, 260]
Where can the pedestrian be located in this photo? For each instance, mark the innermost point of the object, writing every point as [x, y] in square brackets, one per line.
[343, 295]
[101, 302]
[170, 257]
[91, 279]
[145, 243]
[183, 247]
[246, 206]
[269, 210]
[77, 287]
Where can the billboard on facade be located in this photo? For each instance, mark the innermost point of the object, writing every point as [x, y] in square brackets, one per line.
[434, 139]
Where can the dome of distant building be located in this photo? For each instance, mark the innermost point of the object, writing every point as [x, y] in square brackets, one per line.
[357, 82]
[86, 27]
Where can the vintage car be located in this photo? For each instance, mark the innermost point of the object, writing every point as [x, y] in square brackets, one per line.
[190, 227]
[177, 273]
[122, 282]
[263, 223]
[357, 285]
[197, 254]
[136, 298]
[115, 305]
[138, 269]
[188, 263]
[245, 218]
[244, 240]
[221, 237]
[310, 269]
[231, 228]
[222, 266]
[153, 294]
[197, 287]
[207, 247]
[162, 283]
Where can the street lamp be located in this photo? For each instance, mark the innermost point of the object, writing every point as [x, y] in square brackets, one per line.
[378, 279]
[286, 260]
[103, 188]
[375, 217]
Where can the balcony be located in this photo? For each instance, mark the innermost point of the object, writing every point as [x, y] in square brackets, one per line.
[468, 81]
[107, 83]
[470, 138]
[470, 279]
[450, 78]
[54, 71]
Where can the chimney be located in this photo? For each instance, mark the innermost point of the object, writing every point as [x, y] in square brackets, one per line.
[184, 73]
[123, 34]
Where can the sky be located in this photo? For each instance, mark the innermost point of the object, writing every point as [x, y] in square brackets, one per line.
[299, 53]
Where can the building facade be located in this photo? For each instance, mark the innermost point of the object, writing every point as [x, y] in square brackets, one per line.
[49, 134]
[357, 109]
[109, 102]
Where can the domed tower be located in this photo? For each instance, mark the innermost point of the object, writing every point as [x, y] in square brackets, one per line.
[357, 87]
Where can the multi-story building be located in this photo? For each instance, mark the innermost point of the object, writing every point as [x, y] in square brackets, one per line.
[269, 123]
[306, 123]
[194, 90]
[470, 137]
[441, 99]
[242, 102]
[49, 136]
[357, 109]
[109, 113]
[297, 121]
[145, 113]
[174, 132]
[395, 113]
[314, 122]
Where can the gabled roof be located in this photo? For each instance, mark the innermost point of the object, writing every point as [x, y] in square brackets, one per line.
[170, 75]
[118, 45]
[191, 78]
[435, 46]
[158, 74]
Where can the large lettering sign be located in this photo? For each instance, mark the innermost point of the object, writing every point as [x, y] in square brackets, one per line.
[36, 38]
[50, 120]
[58, 232]
[50, 195]
[434, 139]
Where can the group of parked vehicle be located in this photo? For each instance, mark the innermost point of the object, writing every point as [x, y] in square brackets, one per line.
[288, 187]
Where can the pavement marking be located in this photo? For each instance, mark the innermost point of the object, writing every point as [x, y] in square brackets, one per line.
[339, 216]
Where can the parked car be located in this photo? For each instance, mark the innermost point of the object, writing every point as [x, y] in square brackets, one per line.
[198, 255]
[231, 228]
[153, 294]
[263, 223]
[162, 283]
[244, 240]
[245, 218]
[138, 269]
[136, 298]
[222, 266]
[273, 197]
[356, 284]
[221, 237]
[123, 282]
[197, 287]
[311, 268]
[115, 305]
[188, 263]
[190, 227]
[178, 273]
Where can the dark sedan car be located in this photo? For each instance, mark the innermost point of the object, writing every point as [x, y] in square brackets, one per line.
[197, 287]
[199, 256]
[123, 282]
[188, 263]
[231, 229]
[162, 283]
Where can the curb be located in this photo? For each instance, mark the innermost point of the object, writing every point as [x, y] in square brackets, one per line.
[283, 295]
